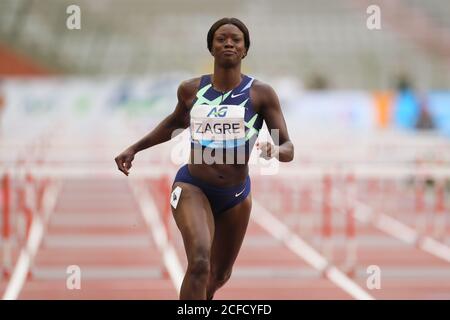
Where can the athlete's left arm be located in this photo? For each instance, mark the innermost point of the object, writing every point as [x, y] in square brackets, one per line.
[270, 109]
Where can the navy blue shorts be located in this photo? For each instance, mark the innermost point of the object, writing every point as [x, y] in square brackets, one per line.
[220, 199]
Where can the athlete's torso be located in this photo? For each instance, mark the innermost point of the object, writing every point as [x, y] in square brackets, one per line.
[224, 127]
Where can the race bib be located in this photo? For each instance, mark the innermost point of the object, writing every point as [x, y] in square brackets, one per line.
[217, 123]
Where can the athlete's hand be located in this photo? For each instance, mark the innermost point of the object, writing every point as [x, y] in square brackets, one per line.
[124, 160]
[268, 150]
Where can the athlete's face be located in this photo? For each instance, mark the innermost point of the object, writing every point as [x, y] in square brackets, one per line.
[228, 45]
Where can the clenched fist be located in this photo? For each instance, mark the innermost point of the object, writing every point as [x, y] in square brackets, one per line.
[124, 160]
[268, 150]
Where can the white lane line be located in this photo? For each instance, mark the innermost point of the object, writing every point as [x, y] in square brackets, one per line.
[97, 241]
[99, 272]
[151, 216]
[275, 227]
[395, 228]
[92, 219]
[436, 248]
[401, 231]
[27, 253]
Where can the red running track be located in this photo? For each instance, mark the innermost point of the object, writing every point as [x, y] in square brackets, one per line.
[98, 226]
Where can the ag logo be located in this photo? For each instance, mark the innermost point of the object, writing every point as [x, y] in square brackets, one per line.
[222, 112]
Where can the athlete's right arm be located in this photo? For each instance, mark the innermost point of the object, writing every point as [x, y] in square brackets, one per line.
[178, 119]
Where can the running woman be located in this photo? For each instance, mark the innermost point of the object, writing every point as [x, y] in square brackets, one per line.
[211, 198]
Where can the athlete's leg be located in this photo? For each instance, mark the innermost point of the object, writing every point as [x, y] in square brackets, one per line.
[230, 228]
[195, 220]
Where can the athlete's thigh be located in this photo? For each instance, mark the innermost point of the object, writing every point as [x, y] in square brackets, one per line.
[194, 218]
[230, 228]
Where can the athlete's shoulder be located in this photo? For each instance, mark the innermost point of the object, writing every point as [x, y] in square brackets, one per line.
[262, 87]
[188, 88]
[262, 95]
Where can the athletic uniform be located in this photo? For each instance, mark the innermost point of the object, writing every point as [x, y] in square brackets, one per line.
[221, 120]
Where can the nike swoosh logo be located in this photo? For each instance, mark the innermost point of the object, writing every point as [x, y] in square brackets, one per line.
[237, 95]
[238, 194]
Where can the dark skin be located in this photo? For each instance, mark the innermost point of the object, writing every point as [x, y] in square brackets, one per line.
[212, 242]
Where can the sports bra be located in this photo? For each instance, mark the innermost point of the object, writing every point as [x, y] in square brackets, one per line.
[224, 119]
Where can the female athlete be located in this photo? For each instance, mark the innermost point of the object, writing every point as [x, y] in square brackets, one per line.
[211, 198]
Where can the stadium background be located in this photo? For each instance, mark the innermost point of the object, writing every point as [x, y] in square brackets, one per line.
[367, 110]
